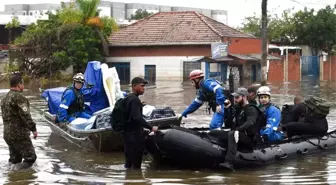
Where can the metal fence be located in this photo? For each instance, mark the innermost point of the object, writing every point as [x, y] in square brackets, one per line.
[310, 68]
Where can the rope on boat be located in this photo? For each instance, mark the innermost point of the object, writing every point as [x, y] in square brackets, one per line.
[318, 145]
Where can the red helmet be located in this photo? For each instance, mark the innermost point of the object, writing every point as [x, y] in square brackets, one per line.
[196, 74]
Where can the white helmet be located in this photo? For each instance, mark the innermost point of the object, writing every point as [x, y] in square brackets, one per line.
[79, 77]
[264, 90]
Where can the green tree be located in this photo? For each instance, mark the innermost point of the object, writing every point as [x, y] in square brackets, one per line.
[14, 23]
[308, 27]
[316, 29]
[279, 28]
[83, 47]
[90, 12]
[140, 14]
[69, 37]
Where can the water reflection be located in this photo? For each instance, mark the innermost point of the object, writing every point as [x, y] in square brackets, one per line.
[60, 162]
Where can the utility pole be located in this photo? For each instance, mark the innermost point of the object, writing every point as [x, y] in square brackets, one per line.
[264, 42]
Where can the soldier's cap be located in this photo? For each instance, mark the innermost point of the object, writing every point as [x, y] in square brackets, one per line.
[139, 80]
[241, 91]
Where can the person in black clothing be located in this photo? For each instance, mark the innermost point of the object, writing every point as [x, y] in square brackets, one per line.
[246, 119]
[252, 94]
[303, 124]
[246, 127]
[133, 131]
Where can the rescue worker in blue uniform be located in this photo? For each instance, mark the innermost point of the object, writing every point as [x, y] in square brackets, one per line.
[72, 103]
[272, 114]
[210, 91]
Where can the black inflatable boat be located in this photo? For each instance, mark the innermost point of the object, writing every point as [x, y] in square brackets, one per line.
[184, 147]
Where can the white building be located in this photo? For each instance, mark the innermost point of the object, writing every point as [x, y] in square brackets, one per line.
[118, 10]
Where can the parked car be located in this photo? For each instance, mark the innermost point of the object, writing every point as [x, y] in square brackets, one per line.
[3, 54]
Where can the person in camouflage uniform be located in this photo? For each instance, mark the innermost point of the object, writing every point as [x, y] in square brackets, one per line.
[18, 124]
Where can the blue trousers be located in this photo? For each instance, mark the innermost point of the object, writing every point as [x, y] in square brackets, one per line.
[217, 119]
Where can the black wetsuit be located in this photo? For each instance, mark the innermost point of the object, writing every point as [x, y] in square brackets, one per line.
[305, 125]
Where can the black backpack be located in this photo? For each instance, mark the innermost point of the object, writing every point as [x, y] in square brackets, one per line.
[118, 116]
[318, 107]
[287, 114]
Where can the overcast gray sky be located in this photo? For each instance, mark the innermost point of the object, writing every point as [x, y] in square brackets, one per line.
[237, 9]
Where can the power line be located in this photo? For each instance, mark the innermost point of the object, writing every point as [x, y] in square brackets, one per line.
[309, 3]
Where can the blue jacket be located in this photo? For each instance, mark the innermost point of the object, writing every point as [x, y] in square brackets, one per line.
[273, 118]
[68, 98]
[212, 88]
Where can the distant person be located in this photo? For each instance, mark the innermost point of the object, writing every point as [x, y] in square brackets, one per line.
[134, 140]
[297, 99]
[72, 103]
[18, 124]
[308, 119]
[252, 94]
[211, 91]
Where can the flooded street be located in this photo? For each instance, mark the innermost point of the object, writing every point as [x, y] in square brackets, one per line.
[59, 162]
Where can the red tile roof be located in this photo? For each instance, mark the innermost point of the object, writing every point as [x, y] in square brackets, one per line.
[174, 28]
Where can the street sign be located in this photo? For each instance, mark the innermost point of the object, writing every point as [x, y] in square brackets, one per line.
[219, 50]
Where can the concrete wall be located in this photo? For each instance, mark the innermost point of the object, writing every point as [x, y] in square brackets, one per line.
[188, 50]
[167, 68]
[277, 72]
[329, 69]
[237, 46]
[245, 46]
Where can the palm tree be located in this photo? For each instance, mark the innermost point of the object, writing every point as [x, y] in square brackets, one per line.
[87, 14]
[90, 13]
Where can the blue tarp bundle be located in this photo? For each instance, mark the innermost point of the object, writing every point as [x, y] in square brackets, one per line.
[53, 96]
[95, 95]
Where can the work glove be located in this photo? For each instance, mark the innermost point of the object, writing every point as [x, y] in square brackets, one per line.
[180, 117]
[236, 136]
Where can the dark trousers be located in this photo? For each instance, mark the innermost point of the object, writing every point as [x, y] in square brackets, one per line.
[133, 148]
[22, 148]
[306, 128]
[227, 138]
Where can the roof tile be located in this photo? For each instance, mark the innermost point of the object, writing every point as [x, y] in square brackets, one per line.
[166, 28]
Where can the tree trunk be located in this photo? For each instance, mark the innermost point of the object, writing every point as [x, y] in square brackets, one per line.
[9, 36]
[264, 41]
[105, 46]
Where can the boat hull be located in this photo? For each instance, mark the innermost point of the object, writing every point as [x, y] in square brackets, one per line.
[101, 140]
[182, 147]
